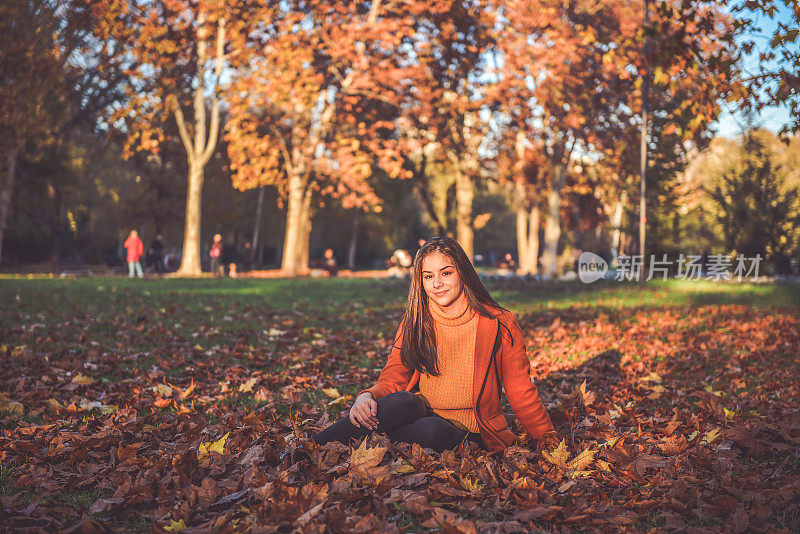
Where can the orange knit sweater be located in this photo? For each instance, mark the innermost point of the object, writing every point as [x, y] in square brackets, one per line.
[450, 393]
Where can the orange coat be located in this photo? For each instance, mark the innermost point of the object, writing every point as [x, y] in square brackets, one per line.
[514, 371]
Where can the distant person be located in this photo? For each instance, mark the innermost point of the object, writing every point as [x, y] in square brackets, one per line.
[400, 263]
[157, 253]
[506, 267]
[135, 248]
[217, 268]
[330, 262]
[232, 272]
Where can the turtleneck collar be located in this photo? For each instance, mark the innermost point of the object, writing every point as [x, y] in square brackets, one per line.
[456, 317]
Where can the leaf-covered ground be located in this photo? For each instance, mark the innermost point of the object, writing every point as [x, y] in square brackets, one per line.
[186, 405]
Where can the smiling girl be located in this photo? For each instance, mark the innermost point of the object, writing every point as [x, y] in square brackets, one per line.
[453, 351]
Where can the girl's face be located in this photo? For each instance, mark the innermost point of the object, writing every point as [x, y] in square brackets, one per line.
[440, 279]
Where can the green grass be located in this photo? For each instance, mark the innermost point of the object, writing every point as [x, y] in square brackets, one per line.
[148, 316]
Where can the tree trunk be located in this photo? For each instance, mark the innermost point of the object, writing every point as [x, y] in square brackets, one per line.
[522, 227]
[257, 223]
[294, 226]
[190, 260]
[305, 236]
[535, 218]
[616, 223]
[351, 247]
[552, 230]
[6, 192]
[465, 194]
[528, 239]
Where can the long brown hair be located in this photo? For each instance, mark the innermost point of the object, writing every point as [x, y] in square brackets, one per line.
[418, 349]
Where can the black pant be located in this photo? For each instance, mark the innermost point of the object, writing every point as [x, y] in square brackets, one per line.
[217, 268]
[403, 416]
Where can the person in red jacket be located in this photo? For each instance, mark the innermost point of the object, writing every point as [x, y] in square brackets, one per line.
[217, 268]
[454, 350]
[135, 249]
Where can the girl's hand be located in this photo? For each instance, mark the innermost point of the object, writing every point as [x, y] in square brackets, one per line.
[365, 412]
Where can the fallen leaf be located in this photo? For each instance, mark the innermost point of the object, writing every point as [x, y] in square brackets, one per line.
[175, 526]
[82, 380]
[212, 446]
[247, 387]
[363, 459]
[9, 406]
[558, 456]
[333, 393]
[163, 390]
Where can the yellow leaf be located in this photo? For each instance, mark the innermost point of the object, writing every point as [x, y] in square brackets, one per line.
[610, 444]
[212, 446]
[82, 380]
[404, 469]
[340, 400]
[163, 390]
[652, 377]
[710, 436]
[104, 408]
[729, 414]
[362, 458]
[248, 386]
[175, 526]
[558, 456]
[10, 406]
[470, 484]
[333, 393]
[656, 391]
[582, 460]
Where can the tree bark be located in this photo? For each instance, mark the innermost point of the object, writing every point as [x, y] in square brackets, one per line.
[522, 227]
[533, 239]
[351, 247]
[6, 192]
[616, 224]
[528, 221]
[552, 230]
[190, 260]
[305, 236]
[290, 260]
[257, 223]
[465, 194]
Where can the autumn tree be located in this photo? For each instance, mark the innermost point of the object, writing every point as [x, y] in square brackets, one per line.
[691, 61]
[177, 52]
[560, 80]
[312, 108]
[576, 89]
[743, 194]
[519, 169]
[31, 85]
[776, 79]
[443, 114]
